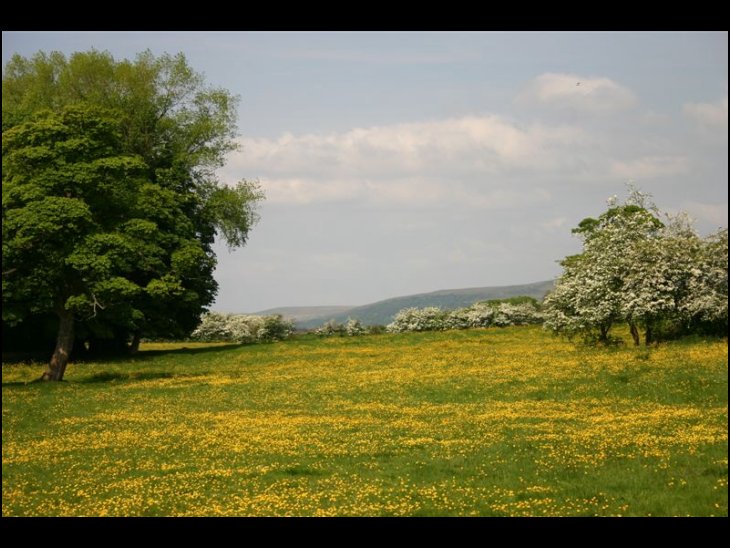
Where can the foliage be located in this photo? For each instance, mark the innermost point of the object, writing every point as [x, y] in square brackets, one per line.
[330, 328]
[376, 329]
[503, 422]
[242, 328]
[430, 318]
[110, 195]
[656, 275]
[496, 312]
[518, 300]
[706, 297]
[351, 328]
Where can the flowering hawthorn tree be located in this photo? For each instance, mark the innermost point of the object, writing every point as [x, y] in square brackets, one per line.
[638, 269]
[242, 328]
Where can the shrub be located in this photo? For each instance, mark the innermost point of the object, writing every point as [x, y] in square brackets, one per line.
[516, 314]
[275, 328]
[353, 328]
[499, 313]
[477, 315]
[329, 329]
[418, 319]
[242, 328]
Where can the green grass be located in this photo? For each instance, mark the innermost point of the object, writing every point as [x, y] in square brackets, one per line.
[485, 422]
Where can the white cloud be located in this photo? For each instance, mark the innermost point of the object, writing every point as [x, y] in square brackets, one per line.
[650, 167]
[715, 214]
[482, 143]
[484, 162]
[654, 119]
[708, 114]
[413, 193]
[552, 225]
[309, 190]
[575, 92]
[471, 161]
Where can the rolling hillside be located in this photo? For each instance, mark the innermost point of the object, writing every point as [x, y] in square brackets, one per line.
[305, 313]
[382, 312]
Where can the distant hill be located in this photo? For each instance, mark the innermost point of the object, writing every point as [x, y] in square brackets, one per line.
[305, 313]
[382, 312]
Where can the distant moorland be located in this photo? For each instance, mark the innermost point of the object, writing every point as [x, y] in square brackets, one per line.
[383, 312]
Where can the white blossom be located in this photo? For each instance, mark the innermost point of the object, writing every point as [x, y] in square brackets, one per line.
[242, 328]
[486, 314]
[637, 269]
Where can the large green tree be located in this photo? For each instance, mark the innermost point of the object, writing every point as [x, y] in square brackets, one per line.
[110, 199]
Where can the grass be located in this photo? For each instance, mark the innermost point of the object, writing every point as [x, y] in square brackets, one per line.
[498, 422]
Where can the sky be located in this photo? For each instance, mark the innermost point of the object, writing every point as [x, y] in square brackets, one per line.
[397, 163]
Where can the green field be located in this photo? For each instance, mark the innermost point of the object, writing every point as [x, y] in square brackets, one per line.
[496, 422]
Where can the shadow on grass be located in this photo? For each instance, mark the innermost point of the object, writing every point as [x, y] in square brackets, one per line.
[146, 354]
[20, 384]
[100, 378]
[301, 471]
[103, 377]
[110, 376]
[26, 358]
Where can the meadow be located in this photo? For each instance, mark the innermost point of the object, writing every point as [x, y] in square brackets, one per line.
[484, 422]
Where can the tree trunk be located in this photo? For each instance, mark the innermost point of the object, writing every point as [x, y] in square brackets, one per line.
[134, 347]
[634, 333]
[603, 329]
[649, 336]
[64, 345]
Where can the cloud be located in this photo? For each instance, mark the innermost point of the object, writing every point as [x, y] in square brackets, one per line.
[411, 193]
[715, 214]
[712, 115]
[309, 190]
[575, 92]
[485, 162]
[485, 143]
[473, 161]
[650, 167]
[552, 225]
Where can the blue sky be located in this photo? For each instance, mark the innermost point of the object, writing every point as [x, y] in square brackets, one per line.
[397, 163]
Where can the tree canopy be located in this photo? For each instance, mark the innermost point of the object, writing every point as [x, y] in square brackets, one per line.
[656, 275]
[110, 199]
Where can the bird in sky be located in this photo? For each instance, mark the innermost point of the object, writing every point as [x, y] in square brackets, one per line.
[577, 83]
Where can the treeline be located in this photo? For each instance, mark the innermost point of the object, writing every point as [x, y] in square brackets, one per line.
[247, 328]
[493, 313]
